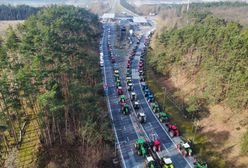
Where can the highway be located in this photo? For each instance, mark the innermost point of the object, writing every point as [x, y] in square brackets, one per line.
[126, 127]
[123, 127]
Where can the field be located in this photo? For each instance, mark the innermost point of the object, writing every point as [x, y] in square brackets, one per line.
[5, 24]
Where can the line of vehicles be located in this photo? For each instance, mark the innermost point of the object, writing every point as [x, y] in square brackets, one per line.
[149, 149]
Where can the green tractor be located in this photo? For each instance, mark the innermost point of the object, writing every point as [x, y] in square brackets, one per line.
[163, 117]
[118, 83]
[155, 107]
[200, 164]
[125, 109]
[185, 148]
[122, 100]
[141, 146]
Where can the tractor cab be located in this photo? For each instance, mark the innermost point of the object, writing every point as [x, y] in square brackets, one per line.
[122, 100]
[172, 129]
[142, 117]
[168, 163]
[150, 98]
[119, 90]
[150, 162]
[163, 117]
[116, 72]
[133, 96]
[125, 109]
[155, 108]
[141, 146]
[185, 148]
[130, 86]
[136, 105]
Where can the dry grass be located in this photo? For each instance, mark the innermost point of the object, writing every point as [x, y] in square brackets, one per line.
[5, 24]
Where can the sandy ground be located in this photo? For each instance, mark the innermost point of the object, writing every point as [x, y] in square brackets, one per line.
[5, 24]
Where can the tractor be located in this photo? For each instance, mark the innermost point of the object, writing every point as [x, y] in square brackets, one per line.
[147, 92]
[141, 117]
[172, 129]
[155, 107]
[150, 162]
[112, 60]
[130, 87]
[142, 79]
[141, 146]
[141, 64]
[118, 83]
[128, 65]
[129, 61]
[133, 96]
[136, 105]
[129, 79]
[150, 98]
[125, 109]
[144, 86]
[141, 73]
[116, 72]
[156, 145]
[119, 90]
[122, 100]
[167, 162]
[185, 148]
[200, 164]
[163, 117]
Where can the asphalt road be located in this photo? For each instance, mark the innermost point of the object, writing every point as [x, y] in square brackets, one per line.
[126, 127]
[123, 126]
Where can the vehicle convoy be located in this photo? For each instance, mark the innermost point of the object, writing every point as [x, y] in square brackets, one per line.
[151, 151]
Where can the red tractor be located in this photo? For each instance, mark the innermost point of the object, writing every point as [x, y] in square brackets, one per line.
[141, 64]
[128, 65]
[119, 90]
[156, 145]
[129, 61]
[172, 129]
